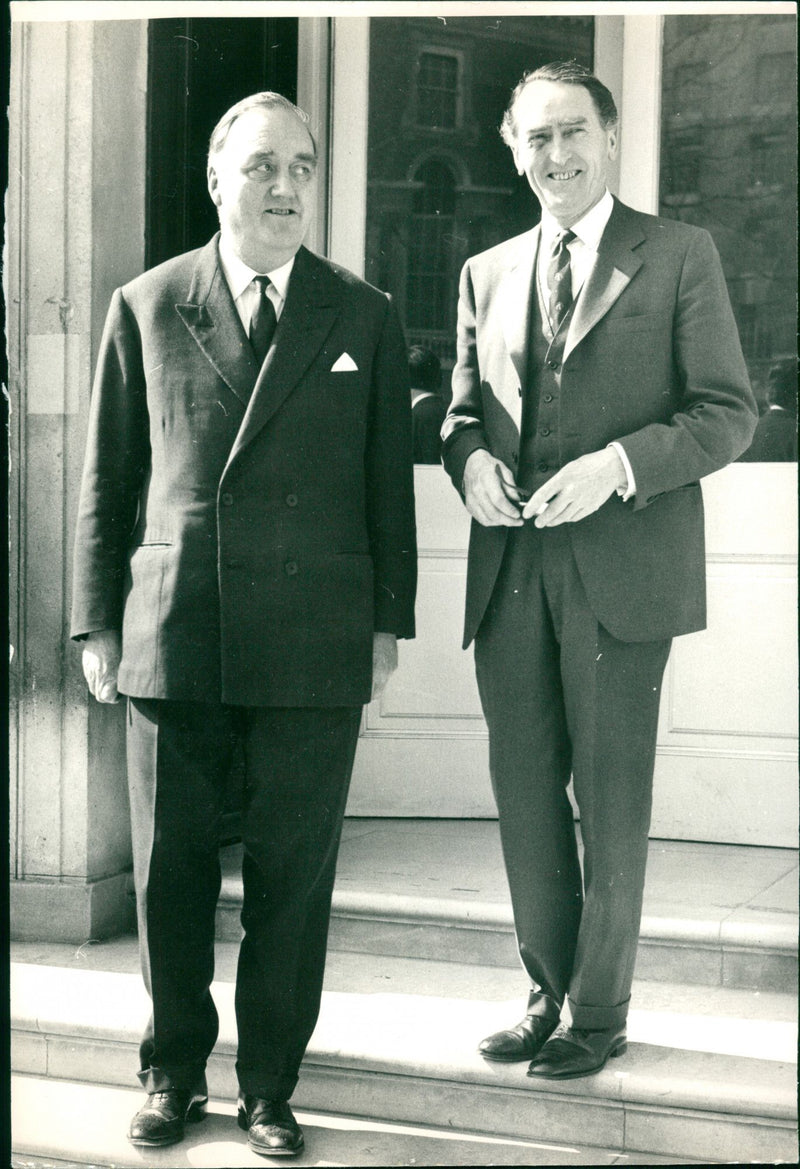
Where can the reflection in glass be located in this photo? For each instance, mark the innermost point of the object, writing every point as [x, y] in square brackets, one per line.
[441, 184]
[728, 152]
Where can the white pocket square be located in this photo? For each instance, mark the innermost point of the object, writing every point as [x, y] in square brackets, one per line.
[343, 364]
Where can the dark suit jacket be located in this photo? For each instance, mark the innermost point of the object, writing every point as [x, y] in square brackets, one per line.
[652, 359]
[247, 546]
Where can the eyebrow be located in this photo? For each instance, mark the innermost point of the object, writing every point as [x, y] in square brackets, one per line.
[303, 156]
[579, 121]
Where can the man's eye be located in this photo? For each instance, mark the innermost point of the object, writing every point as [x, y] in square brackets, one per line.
[302, 171]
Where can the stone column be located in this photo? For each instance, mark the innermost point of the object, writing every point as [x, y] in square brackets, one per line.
[76, 210]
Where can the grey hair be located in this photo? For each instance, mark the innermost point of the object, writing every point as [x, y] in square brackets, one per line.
[266, 100]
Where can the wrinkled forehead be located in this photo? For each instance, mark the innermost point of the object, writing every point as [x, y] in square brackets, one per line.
[268, 130]
[545, 103]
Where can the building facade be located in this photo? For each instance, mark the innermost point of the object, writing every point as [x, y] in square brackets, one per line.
[109, 120]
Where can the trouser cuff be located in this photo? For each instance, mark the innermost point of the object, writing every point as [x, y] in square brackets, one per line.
[265, 1088]
[543, 1006]
[589, 1018]
[189, 1078]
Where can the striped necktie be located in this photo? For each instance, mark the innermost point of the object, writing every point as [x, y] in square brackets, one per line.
[559, 280]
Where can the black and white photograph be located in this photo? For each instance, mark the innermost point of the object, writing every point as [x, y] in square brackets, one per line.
[402, 447]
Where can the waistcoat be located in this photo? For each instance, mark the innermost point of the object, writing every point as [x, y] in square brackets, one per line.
[540, 447]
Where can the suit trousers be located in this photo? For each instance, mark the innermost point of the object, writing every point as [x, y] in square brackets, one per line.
[562, 697]
[298, 764]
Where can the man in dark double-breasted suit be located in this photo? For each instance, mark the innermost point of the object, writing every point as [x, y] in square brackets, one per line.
[245, 561]
[599, 377]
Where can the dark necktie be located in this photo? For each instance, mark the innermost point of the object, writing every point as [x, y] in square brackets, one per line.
[559, 280]
[263, 321]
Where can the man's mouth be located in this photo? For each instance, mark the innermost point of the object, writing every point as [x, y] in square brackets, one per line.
[563, 176]
[280, 211]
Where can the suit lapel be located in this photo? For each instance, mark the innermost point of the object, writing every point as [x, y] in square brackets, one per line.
[313, 302]
[211, 317]
[516, 288]
[614, 269]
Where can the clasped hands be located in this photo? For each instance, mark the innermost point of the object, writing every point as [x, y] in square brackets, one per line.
[493, 498]
[102, 652]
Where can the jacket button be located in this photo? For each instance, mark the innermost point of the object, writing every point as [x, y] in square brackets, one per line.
[226, 499]
[543, 467]
[552, 365]
[548, 397]
[291, 501]
[545, 431]
[290, 568]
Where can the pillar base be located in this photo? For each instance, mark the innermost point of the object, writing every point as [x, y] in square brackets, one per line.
[56, 911]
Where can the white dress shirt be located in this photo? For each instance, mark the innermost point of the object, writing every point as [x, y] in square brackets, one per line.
[583, 256]
[245, 294]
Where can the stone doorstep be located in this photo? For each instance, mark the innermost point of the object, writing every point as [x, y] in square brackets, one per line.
[90, 1122]
[406, 1058]
[760, 953]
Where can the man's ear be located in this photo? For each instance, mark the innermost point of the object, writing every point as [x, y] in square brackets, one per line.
[613, 140]
[213, 186]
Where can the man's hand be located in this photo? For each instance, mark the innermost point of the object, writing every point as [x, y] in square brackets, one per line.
[101, 657]
[490, 493]
[384, 661]
[577, 490]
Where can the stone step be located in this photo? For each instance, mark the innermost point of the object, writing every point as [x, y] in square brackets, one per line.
[88, 1122]
[714, 915]
[709, 1074]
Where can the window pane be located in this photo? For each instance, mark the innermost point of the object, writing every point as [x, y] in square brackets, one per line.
[728, 152]
[441, 183]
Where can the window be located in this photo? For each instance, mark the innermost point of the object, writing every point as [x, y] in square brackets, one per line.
[438, 91]
[441, 184]
[429, 295]
[775, 77]
[682, 165]
[732, 170]
[770, 160]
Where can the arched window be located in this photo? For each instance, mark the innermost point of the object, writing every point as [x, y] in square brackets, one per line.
[430, 289]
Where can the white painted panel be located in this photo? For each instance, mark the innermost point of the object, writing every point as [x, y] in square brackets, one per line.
[738, 677]
[429, 687]
[726, 764]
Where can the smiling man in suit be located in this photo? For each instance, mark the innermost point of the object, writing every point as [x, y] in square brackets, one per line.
[599, 376]
[245, 561]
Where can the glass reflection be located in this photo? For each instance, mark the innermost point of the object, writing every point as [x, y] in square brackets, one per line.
[440, 182]
[728, 151]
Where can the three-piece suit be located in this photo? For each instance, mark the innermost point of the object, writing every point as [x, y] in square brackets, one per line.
[248, 529]
[573, 623]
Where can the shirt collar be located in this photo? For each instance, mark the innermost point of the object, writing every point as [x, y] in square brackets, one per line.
[589, 228]
[239, 275]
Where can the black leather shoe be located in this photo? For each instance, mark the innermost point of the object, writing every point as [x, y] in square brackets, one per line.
[572, 1052]
[162, 1119]
[521, 1042]
[270, 1126]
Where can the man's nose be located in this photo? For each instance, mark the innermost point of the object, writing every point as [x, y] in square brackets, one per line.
[281, 184]
[559, 150]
